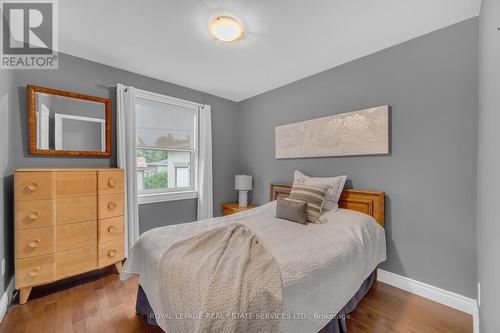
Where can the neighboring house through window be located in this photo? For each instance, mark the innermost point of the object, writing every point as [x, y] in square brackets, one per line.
[167, 134]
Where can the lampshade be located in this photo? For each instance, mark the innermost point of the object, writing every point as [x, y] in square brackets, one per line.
[242, 182]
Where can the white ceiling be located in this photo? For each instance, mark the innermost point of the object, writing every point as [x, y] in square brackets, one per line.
[285, 40]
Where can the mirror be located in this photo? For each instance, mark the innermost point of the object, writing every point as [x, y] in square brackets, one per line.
[65, 123]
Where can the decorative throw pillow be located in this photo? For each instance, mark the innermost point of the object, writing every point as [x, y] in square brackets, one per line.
[313, 195]
[292, 210]
[336, 186]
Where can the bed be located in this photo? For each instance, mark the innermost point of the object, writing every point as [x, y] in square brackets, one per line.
[326, 268]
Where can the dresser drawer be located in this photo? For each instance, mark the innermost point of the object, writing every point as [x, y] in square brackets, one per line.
[75, 183]
[33, 185]
[34, 214]
[71, 236]
[110, 181]
[76, 209]
[109, 229]
[76, 261]
[35, 242]
[110, 252]
[33, 271]
[110, 205]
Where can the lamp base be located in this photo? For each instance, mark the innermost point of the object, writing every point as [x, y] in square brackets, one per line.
[243, 199]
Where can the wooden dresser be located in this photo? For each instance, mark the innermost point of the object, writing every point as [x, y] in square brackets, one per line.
[67, 221]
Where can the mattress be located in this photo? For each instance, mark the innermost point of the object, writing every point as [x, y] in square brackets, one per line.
[322, 265]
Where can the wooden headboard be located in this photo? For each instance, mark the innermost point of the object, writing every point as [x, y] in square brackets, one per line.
[365, 201]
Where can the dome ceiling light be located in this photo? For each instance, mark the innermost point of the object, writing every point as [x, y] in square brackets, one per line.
[226, 28]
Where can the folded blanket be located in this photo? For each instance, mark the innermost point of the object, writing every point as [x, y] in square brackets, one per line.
[221, 280]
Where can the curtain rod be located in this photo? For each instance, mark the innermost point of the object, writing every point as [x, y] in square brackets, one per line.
[108, 86]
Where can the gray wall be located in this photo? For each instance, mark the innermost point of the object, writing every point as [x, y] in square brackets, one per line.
[79, 75]
[167, 213]
[6, 89]
[429, 176]
[488, 225]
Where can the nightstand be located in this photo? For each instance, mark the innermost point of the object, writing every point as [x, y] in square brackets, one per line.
[231, 208]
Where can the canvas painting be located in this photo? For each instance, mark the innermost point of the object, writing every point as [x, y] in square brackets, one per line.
[362, 132]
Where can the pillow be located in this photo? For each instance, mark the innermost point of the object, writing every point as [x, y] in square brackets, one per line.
[314, 195]
[292, 210]
[336, 186]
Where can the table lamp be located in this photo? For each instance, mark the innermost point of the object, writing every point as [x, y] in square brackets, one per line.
[243, 184]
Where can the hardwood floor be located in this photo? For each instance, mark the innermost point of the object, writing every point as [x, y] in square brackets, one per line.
[389, 309]
[100, 302]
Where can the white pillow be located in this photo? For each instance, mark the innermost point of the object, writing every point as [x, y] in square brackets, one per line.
[336, 186]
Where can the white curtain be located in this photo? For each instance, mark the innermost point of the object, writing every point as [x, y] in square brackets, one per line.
[125, 101]
[205, 191]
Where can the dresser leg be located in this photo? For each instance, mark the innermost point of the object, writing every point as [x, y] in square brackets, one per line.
[118, 266]
[24, 293]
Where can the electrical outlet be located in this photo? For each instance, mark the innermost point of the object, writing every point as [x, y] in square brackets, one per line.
[479, 294]
[3, 267]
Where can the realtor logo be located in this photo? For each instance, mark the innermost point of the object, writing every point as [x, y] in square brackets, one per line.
[29, 35]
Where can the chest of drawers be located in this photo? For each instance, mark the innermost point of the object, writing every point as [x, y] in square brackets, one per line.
[67, 222]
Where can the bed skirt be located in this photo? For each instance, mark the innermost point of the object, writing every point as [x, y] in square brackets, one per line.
[336, 325]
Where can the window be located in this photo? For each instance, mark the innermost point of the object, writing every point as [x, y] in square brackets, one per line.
[182, 176]
[166, 140]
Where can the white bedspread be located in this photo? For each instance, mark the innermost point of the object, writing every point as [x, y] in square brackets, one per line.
[322, 265]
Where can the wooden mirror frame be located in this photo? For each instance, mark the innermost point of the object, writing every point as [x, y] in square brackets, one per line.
[32, 89]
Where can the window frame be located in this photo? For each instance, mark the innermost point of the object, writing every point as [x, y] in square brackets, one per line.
[172, 194]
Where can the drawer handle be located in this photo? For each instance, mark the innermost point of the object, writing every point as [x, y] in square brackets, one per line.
[111, 205]
[111, 229]
[34, 272]
[111, 182]
[111, 253]
[33, 215]
[33, 187]
[34, 243]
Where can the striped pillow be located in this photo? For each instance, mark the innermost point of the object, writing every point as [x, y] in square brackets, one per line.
[314, 195]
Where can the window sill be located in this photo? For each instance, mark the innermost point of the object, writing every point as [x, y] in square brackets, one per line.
[162, 197]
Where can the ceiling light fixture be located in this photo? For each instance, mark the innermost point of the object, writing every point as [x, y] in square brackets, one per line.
[226, 28]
